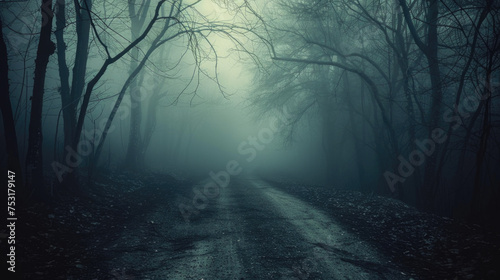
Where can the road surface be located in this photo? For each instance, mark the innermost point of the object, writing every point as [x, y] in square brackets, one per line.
[252, 230]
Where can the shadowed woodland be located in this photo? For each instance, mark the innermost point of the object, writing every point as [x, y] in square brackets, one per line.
[398, 98]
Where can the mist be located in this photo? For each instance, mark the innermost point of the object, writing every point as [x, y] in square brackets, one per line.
[319, 139]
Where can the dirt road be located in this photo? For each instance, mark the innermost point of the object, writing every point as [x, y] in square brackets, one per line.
[251, 231]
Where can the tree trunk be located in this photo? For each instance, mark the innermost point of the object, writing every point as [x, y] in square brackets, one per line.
[429, 188]
[150, 125]
[71, 98]
[34, 159]
[130, 79]
[13, 162]
[479, 189]
[79, 69]
[134, 158]
[63, 68]
[358, 148]
[110, 60]
[430, 50]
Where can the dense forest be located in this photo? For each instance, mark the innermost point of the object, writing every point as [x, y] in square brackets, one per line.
[389, 98]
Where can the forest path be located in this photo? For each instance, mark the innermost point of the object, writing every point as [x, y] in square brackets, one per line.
[250, 231]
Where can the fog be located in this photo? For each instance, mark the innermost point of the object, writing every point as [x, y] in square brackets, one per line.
[209, 75]
[204, 113]
[397, 99]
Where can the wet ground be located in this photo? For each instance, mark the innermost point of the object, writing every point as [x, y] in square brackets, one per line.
[132, 228]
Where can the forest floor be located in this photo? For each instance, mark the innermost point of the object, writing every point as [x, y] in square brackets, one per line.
[130, 227]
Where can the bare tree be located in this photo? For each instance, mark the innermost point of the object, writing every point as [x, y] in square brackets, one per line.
[417, 59]
[70, 95]
[182, 21]
[134, 158]
[34, 159]
[13, 162]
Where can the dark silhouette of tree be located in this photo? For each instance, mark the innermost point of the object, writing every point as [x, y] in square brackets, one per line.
[72, 98]
[135, 157]
[34, 159]
[13, 159]
[422, 62]
[70, 95]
